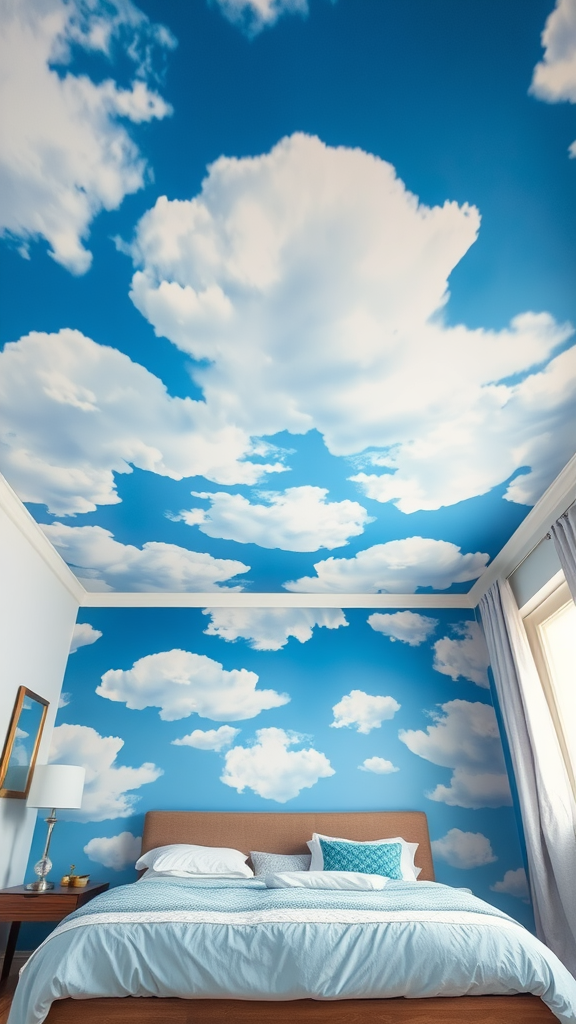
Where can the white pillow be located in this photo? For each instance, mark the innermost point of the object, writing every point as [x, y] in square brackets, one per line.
[196, 860]
[409, 870]
[324, 880]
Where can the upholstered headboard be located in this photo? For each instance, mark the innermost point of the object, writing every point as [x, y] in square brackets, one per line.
[286, 832]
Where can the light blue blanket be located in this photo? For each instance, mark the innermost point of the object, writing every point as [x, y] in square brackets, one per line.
[234, 896]
[238, 939]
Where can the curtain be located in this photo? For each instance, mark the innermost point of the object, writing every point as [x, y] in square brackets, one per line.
[564, 536]
[544, 792]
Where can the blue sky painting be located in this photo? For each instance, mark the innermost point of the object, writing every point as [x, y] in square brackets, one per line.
[287, 286]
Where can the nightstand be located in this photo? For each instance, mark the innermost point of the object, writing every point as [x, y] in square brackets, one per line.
[19, 904]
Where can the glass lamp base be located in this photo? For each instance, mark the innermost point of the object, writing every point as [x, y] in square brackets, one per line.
[41, 868]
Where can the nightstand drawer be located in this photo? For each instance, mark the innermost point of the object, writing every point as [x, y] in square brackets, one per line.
[19, 904]
[36, 907]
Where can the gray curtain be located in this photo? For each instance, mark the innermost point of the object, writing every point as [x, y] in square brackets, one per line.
[564, 536]
[544, 792]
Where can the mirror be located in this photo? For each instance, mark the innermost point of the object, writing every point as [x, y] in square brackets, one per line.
[22, 742]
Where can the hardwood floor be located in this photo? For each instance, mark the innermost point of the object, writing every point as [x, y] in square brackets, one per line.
[7, 989]
[6, 993]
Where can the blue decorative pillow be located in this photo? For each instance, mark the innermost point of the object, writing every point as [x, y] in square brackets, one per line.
[369, 858]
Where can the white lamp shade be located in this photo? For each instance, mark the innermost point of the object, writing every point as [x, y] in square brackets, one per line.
[56, 785]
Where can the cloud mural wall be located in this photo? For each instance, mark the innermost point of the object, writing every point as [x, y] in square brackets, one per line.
[166, 713]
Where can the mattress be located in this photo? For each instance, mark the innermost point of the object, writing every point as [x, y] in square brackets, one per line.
[238, 939]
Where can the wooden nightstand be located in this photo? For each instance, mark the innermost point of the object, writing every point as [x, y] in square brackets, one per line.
[21, 904]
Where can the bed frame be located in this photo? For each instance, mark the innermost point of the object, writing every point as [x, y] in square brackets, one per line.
[287, 833]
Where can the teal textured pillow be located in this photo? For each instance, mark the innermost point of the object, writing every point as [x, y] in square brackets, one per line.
[369, 858]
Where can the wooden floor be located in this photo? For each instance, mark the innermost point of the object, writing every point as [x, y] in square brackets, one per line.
[7, 989]
[6, 993]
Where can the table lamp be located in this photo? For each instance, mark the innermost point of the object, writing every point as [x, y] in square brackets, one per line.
[54, 786]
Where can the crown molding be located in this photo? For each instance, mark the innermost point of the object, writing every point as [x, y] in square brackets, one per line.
[240, 599]
[559, 496]
[26, 524]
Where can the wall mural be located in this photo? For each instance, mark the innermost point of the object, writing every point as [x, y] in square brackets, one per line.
[274, 709]
[314, 336]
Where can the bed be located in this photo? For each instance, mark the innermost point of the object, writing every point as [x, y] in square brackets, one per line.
[287, 833]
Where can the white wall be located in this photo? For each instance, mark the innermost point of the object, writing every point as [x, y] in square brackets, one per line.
[37, 616]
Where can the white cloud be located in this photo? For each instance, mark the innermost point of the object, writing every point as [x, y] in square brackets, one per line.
[181, 684]
[106, 414]
[209, 739]
[273, 771]
[117, 852]
[102, 563]
[65, 154]
[364, 355]
[514, 883]
[397, 567]
[83, 635]
[467, 658]
[64, 699]
[464, 849]
[474, 790]
[108, 788]
[20, 754]
[519, 423]
[464, 736]
[254, 15]
[364, 711]
[554, 78]
[378, 765]
[409, 627]
[298, 519]
[268, 629]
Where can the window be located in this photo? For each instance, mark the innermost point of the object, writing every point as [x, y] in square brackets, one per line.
[551, 630]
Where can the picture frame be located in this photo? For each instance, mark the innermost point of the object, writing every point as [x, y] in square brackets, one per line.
[22, 743]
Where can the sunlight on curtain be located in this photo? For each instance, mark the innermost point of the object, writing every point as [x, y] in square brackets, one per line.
[558, 639]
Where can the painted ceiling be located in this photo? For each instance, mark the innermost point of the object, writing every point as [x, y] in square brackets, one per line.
[287, 286]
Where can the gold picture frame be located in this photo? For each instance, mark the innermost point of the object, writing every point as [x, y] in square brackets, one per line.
[22, 743]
